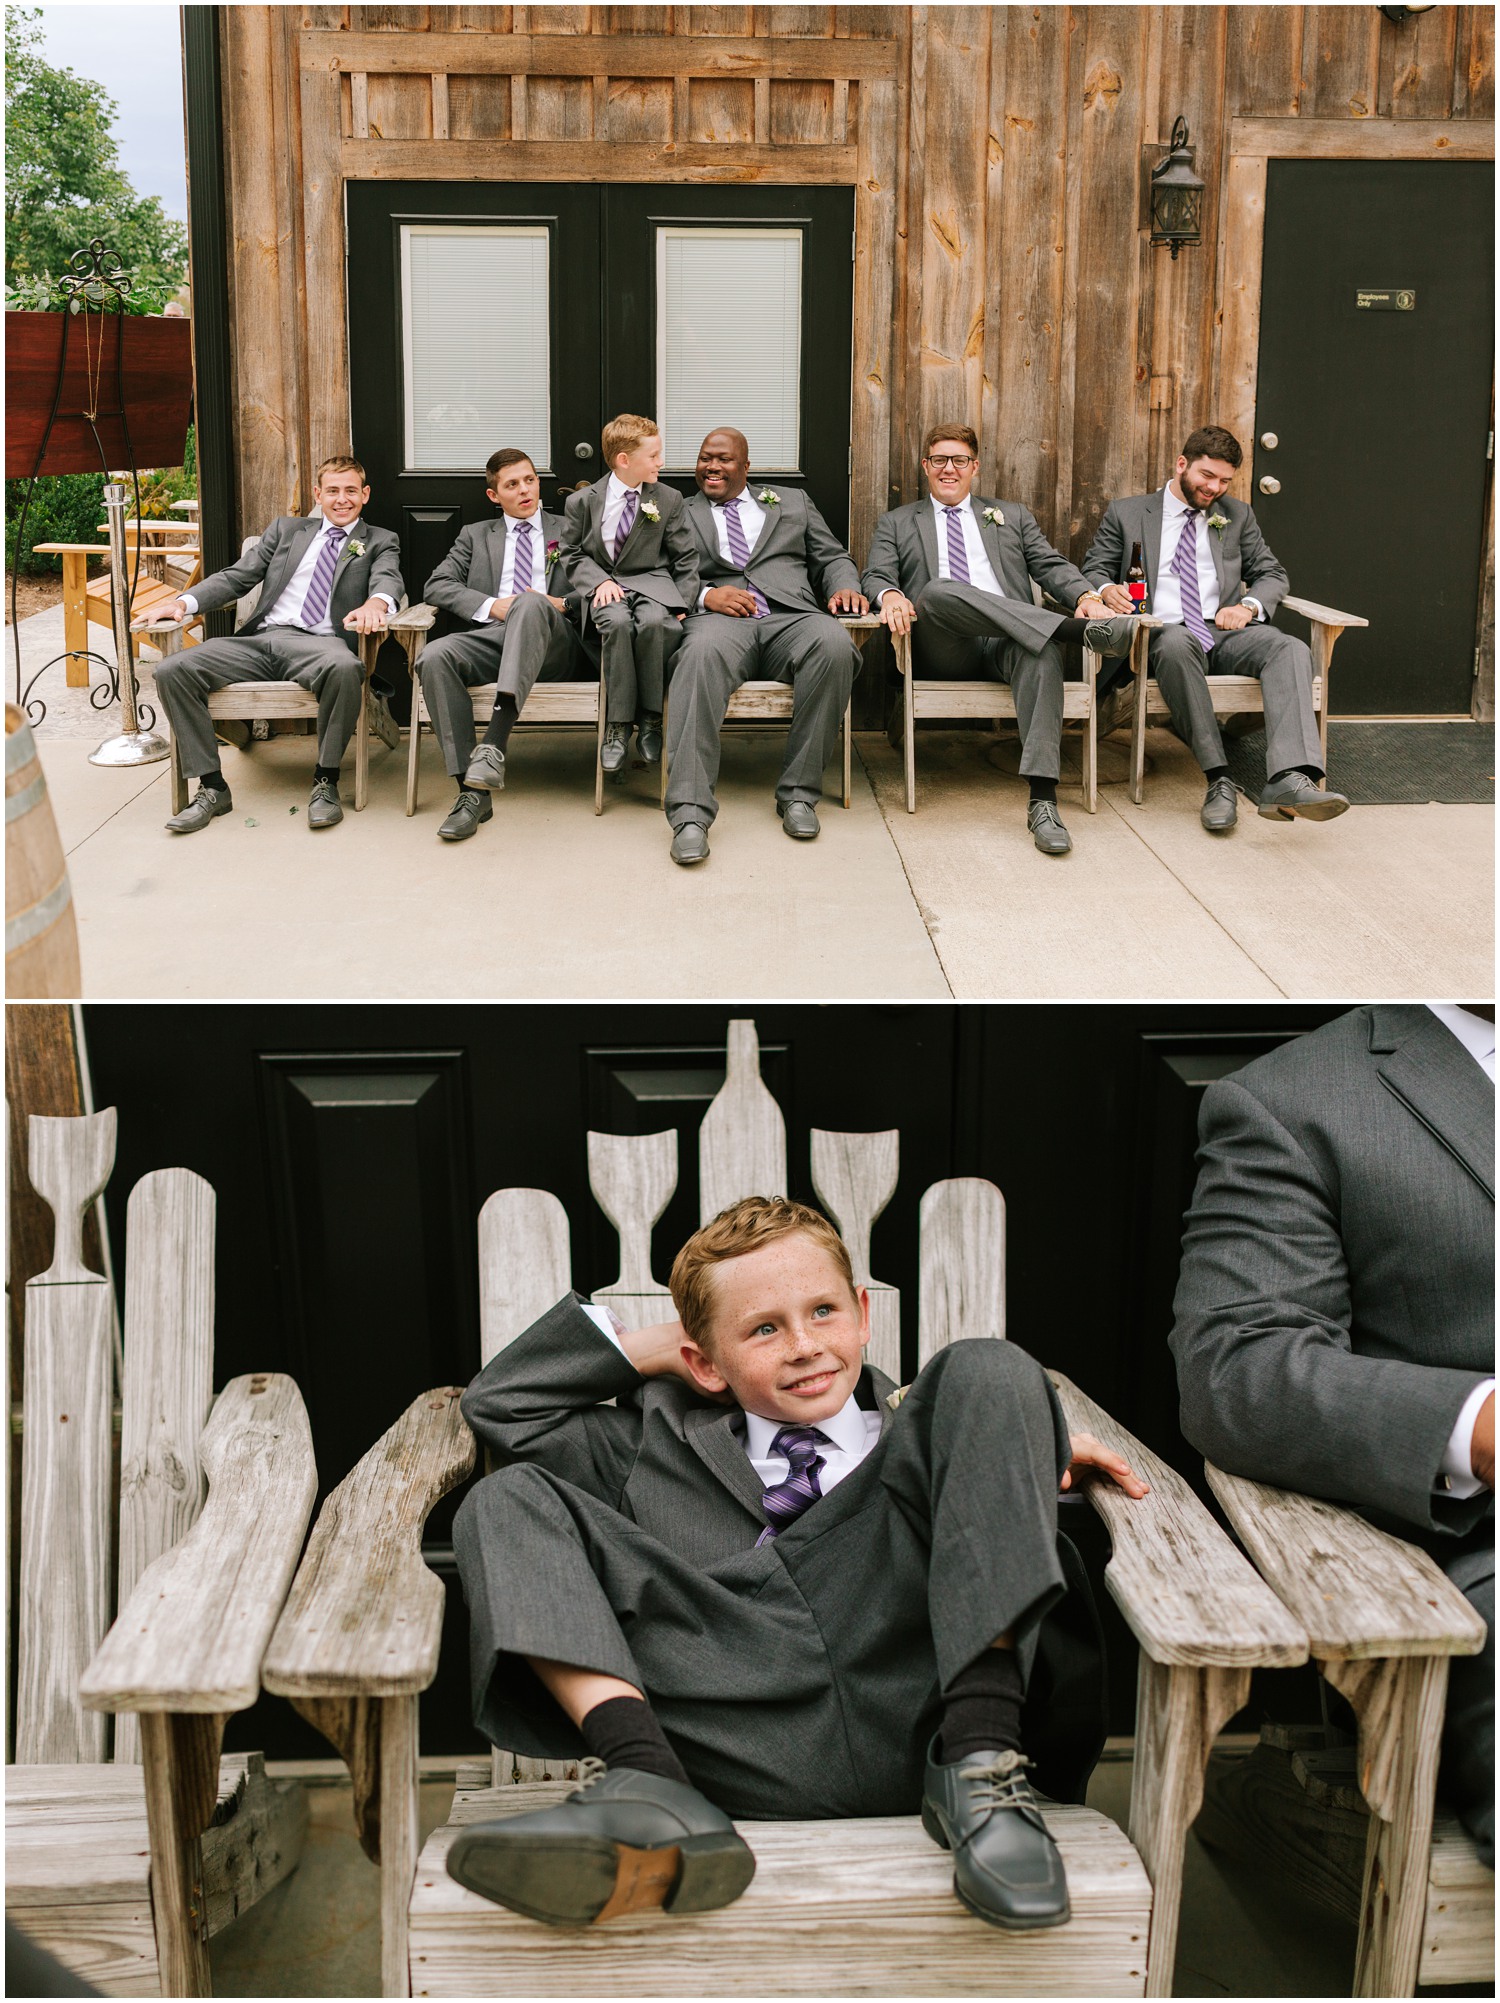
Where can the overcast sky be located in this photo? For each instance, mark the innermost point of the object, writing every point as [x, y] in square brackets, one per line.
[135, 51]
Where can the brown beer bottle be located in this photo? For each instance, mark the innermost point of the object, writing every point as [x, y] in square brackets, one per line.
[1135, 579]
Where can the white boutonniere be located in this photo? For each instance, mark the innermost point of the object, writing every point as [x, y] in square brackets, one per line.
[354, 547]
[651, 511]
[767, 499]
[994, 515]
[1218, 522]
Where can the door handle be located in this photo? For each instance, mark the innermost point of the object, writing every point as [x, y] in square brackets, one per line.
[583, 450]
[1269, 440]
[564, 490]
[1267, 485]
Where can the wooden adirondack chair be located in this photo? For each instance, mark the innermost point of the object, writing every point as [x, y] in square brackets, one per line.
[1202, 1617]
[123, 1870]
[1383, 1622]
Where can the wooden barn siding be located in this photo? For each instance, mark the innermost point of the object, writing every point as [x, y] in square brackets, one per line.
[995, 153]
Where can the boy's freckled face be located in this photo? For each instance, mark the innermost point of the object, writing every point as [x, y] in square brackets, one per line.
[632, 468]
[788, 1335]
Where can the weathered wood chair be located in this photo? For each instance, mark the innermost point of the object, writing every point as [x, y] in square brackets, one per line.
[1202, 1617]
[1238, 695]
[123, 1871]
[1382, 1622]
[255, 703]
[88, 601]
[547, 702]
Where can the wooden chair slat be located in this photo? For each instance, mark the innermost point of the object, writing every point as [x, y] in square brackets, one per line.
[525, 1264]
[854, 1178]
[961, 1264]
[633, 1177]
[742, 1141]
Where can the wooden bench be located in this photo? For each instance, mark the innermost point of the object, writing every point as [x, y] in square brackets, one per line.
[85, 600]
[361, 1600]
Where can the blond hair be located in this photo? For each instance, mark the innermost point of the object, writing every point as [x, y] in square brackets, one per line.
[744, 1227]
[625, 433]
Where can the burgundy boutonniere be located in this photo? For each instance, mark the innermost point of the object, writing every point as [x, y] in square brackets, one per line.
[552, 549]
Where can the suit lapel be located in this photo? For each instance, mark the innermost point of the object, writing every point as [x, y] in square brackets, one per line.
[927, 536]
[1151, 520]
[713, 1438]
[1216, 549]
[1440, 1084]
[701, 515]
[642, 520]
[769, 520]
[989, 535]
[495, 551]
[288, 558]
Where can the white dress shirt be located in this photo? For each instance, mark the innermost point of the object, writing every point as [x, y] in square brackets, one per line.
[287, 611]
[752, 518]
[1456, 1476]
[1167, 602]
[615, 493]
[515, 527]
[851, 1431]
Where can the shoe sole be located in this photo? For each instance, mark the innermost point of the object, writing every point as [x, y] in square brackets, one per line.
[1319, 810]
[939, 1836]
[586, 1880]
[200, 826]
[317, 827]
[801, 835]
[690, 861]
[1219, 828]
[485, 785]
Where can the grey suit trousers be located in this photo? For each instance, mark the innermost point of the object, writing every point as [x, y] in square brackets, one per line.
[802, 1677]
[320, 662]
[810, 650]
[965, 634]
[532, 643]
[638, 639]
[1466, 1777]
[1284, 666]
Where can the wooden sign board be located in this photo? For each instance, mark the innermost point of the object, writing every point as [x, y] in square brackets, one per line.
[158, 382]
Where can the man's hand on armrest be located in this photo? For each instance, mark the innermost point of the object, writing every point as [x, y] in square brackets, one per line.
[1089, 1453]
[1482, 1450]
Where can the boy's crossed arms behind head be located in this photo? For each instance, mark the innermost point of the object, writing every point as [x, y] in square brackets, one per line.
[764, 1583]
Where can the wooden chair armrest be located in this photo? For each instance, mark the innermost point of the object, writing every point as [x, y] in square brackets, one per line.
[859, 622]
[364, 1617]
[413, 619]
[1359, 1592]
[1189, 1596]
[1323, 615]
[165, 625]
[192, 1634]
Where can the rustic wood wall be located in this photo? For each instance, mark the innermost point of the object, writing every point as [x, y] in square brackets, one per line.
[996, 153]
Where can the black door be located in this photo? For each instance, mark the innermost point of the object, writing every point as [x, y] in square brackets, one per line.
[1376, 366]
[483, 316]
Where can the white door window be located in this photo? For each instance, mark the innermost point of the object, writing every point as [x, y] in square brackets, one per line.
[729, 341]
[476, 344]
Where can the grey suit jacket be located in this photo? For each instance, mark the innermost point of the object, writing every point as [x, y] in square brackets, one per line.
[904, 553]
[656, 558]
[470, 572]
[274, 560]
[797, 562]
[1240, 552]
[1336, 1301]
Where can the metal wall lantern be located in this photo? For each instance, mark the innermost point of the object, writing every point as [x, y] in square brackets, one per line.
[1176, 194]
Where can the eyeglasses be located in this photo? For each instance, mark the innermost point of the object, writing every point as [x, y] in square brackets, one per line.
[957, 460]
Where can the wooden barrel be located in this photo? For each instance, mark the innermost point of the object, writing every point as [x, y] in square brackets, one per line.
[41, 933]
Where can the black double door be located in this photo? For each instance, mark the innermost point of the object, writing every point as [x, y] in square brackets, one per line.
[598, 252]
[1372, 420]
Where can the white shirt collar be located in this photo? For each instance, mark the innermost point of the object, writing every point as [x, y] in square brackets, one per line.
[514, 522]
[743, 495]
[617, 489]
[1174, 505]
[324, 525]
[1475, 1034]
[965, 506]
[846, 1429]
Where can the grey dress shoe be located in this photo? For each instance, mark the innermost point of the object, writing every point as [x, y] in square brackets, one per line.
[324, 808]
[467, 814]
[486, 769]
[1220, 809]
[624, 1842]
[690, 843]
[1112, 639]
[1294, 793]
[1047, 830]
[1005, 1866]
[799, 819]
[206, 805]
[648, 737]
[616, 744]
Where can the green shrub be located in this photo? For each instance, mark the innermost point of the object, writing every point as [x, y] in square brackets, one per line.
[69, 507]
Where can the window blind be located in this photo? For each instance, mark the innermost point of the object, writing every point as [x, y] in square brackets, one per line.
[476, 344]
[729, 341]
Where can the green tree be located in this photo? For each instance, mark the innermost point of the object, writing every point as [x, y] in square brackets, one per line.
[64, 185]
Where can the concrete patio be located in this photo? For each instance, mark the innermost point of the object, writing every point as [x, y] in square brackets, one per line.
[1395, 902]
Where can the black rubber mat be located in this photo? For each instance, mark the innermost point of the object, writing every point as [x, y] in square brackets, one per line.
[1390, 764]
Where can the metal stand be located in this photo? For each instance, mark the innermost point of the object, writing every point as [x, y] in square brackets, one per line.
[133, 746]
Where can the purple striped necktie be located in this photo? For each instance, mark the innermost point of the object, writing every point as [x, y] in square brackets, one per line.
[786, 1502]
[739, 550]
[627, 520]
[521, 576]
[1185, 570]
[958, 556]
[315, 605]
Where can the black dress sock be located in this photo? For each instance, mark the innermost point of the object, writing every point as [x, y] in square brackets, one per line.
[1313, 772]
[502, 723]
[1043, 789]
[982, 1707]
[1212, 772]
[1071, 629]
[326, 772]
[215, 780]
[625, 1732]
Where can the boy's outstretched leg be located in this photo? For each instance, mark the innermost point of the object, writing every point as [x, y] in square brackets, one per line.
[637, 1836]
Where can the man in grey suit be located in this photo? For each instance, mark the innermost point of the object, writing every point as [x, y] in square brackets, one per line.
[1336, 1306]
[955, 571]
[503, 590]
[762, 1576]
[773, 574]
[1211, 577]
[324, 579]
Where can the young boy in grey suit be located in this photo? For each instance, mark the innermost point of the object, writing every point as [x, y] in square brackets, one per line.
[625, 539]
[763, 1582]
